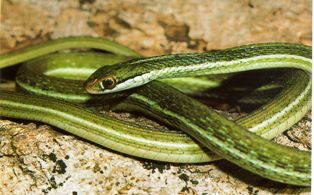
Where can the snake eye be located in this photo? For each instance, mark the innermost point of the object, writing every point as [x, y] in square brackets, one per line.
[108, 83]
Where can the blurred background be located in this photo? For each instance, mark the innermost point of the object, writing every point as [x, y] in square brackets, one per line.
[158, 26]
[36, 158]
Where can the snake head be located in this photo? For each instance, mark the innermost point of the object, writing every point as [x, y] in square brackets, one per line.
[119, 77]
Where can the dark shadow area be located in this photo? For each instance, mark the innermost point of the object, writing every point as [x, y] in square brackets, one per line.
[8, 73]
[242, 85]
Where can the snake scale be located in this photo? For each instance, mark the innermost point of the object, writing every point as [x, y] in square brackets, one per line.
[130, 84]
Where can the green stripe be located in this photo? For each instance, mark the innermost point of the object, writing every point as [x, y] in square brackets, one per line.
[229, 139]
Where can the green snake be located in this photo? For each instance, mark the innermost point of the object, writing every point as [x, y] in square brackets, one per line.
[228, 139]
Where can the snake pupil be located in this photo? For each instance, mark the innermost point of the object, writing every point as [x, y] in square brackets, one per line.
[108, 83]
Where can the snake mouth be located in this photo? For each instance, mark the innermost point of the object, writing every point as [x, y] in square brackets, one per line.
[90, 87]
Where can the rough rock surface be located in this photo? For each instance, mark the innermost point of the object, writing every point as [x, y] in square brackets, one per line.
[35, 158]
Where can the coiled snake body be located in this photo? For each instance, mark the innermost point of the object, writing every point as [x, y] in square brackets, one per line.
[228, 139]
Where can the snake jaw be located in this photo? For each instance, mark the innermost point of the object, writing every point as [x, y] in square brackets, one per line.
[90, 87]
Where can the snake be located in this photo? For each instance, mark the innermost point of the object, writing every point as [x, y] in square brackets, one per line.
[128, 82]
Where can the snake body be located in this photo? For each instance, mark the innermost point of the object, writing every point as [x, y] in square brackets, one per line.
[229, 139]
[169, 146]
